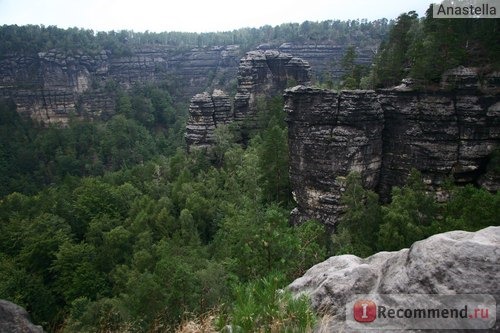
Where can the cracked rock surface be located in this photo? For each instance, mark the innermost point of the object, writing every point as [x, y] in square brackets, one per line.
[383, 135]
[450, 263]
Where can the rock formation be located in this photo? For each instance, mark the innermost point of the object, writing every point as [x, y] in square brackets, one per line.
[49, 86]
[261, 73]
[14, 319]
[383, 135]
[456, 262]
[266, 73]
[325, 58]
[206, 112]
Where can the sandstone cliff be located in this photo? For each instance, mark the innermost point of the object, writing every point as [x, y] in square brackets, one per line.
[456, 262]
[383, 135]
[49, 86]
[261, 73]
[325, 59]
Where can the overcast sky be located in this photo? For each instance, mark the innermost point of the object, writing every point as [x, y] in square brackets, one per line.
[195, 15]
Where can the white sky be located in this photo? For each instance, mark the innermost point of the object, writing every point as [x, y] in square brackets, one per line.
[195, 15]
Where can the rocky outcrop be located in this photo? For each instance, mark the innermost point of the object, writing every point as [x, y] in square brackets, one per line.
[206, 112]
[260, 74]
[325, 59]
[383, 135]
[456, 262]
[14, 319]
[440, 134]
[330, 134]
[50, 86]
[266, 73]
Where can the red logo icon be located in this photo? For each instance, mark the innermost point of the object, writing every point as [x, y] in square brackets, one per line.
[365, 311]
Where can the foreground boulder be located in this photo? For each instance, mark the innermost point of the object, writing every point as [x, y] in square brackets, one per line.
[455, 262]
[14, 319]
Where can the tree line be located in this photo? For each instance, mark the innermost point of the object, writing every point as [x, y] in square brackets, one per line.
[30, 39]
[111, 226]
[424, 48]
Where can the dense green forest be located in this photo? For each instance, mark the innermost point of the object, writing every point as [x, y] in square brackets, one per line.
[151, 239]
[34, 38]
[113, 227]
[121, 234]
[424, 48]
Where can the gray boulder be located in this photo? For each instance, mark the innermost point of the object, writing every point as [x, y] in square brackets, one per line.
[450, 263]
[15, 319]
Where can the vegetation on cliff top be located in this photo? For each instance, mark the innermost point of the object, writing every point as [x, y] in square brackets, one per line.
[113, 227]
[33, 38]
[425, 48]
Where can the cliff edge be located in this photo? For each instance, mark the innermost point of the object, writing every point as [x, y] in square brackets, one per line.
[384, 134]
[451, 263]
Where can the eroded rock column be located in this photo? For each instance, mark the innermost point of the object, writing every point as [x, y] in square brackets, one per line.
[330, 134]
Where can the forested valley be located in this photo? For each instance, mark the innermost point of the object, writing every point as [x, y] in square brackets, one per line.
[112, 226]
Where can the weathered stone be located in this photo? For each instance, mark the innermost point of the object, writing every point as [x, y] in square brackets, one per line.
[329, 135]
[383, 135]
[261, 73]
[325, 59]
[265, 73]
[205, 113]
[15, 319]
[49, 86]
[456, 262]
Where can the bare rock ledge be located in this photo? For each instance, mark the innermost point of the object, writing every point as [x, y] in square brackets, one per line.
[450, 263]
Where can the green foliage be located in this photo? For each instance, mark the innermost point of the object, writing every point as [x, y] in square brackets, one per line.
[146, 124]
[140, 248]
[351, 79]
[262, 306]
[424, 49]
[128, 240]
[31, 39]
[409, 215]
[272, 149]
[363, 212]
[469, 209]
[412, 215]
[392, 64]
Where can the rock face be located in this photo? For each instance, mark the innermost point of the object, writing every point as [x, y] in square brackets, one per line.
[206, 112]
[49, 86]
[261, 73]
[456, 262]
[331, 134]
[14, 319]
[266, 73]
[325, 59]
[383, 135]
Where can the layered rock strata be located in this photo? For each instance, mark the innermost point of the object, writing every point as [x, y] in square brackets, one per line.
[325, 58]
[456, 262]
[50, 86]
[330, 134]
[266, 73]
[206, 112]
[260, 74]
[383, 135]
